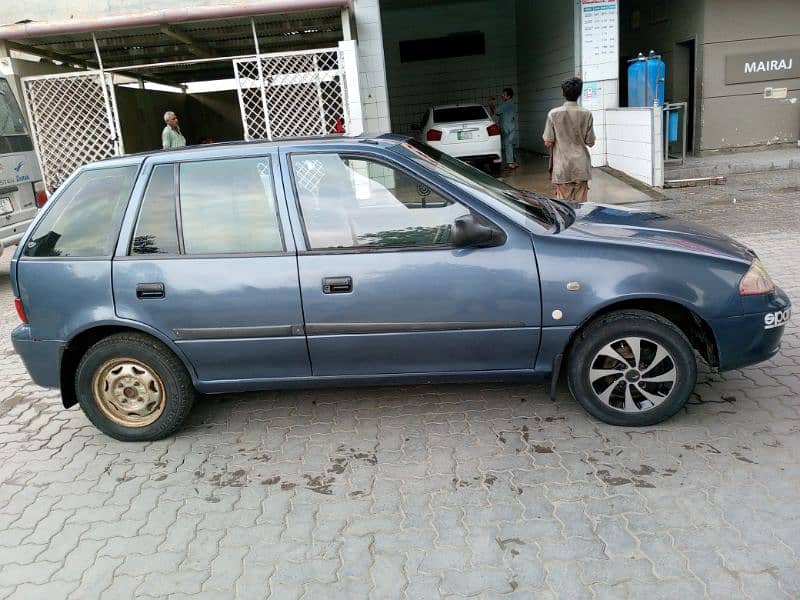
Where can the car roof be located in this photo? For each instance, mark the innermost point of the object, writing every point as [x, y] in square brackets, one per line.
[470, 105]
[381, 139]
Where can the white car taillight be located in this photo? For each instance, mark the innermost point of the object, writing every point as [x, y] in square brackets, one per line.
[40, 193]
[756, 281]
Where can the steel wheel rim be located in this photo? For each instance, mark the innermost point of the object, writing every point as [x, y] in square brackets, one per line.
[633, 374]
[129, 392]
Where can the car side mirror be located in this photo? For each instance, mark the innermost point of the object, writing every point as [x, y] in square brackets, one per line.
[469, 233]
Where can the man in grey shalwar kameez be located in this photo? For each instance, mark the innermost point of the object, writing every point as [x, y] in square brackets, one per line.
[507, 120]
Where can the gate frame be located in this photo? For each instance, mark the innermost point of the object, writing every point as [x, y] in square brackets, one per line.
[105, 81]
[105, 78]
[259, 58]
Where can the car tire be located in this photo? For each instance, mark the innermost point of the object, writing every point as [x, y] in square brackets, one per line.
[133, 388]
[495, 169]
[607, 380]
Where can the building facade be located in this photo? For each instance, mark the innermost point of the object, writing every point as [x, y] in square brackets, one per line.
[735, 64]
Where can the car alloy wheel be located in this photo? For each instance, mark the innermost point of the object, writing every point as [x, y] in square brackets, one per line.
[632, 374]
[631, 368]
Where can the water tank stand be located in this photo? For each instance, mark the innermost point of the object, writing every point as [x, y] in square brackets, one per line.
[675, 129]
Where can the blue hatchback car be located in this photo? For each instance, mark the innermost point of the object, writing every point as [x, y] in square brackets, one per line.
[341, 261]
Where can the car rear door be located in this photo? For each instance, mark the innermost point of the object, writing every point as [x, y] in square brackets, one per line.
[207, 262]
[384, 289]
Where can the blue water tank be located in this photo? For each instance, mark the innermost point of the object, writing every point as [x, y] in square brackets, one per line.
[646, 77]
[672, 126]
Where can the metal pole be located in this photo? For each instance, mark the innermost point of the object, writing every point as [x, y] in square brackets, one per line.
[343, 89]
[240, 92]
[109, 112]
[685, 131]
[261, 81]
[319, 96]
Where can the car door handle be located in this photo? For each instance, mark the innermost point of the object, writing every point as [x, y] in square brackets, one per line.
[337, 285]
[150, 290]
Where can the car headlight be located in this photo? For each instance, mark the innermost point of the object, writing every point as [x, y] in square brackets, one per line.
[756, 281]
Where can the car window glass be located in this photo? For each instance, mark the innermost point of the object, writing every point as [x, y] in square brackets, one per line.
[478, 183]
[157, 229]
[459, 113]
[228, 206]
[350, 202]
[84, 220]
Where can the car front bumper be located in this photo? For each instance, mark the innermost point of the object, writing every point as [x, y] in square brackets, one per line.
[42, 358]
[754, 337]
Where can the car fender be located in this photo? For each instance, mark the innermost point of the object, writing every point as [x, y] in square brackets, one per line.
[580, 278]
[135, 326]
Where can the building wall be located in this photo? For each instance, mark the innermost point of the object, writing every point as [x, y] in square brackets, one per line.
[634, 143]
[59, 10]
[214, 115]
[738, 115]
[646, 25]
[141, 117]
[415, 86]
[660, 27]
[545, 57]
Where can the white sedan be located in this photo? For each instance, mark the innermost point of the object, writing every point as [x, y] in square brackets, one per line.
[465, 131]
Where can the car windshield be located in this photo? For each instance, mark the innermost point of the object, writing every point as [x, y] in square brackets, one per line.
[459, 113]
[547, 213]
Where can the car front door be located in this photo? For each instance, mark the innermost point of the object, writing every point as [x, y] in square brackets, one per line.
[384, 289]
[205, 261]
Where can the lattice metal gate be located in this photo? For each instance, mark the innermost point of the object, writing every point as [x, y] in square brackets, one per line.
[74, 120]
[290, 94]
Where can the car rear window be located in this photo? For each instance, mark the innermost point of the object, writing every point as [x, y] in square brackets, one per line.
[459, 113]
[84, 220]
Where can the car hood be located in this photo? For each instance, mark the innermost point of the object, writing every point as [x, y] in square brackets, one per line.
[643, 228]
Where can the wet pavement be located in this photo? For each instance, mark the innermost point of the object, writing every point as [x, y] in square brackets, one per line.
[604, 187]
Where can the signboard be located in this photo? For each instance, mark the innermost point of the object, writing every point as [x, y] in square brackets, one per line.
[592, 95]
[600, 39]
[762, 66]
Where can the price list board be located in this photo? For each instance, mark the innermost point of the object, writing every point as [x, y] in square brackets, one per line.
[600, 39]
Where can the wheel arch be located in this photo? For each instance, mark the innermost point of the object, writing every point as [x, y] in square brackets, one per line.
[84, 339]
[693, 326]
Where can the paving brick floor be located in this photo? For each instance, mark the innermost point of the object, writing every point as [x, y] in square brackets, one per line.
[424, 492]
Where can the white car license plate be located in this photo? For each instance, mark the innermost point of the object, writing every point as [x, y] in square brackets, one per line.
[6, 206]
[464, 135]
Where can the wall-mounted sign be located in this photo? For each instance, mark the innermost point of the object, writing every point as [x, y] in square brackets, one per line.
[762, 66]
[592, 97]
[599, 39]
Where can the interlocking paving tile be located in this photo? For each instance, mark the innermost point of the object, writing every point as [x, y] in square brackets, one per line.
[424, 491]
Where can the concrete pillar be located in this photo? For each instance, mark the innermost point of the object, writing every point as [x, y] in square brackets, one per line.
[355, 109]
[372, 66]
[12, 77]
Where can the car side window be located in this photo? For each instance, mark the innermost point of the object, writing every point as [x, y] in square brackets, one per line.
[356, 202]
[157, 228]
[228, 206]
[85, 219]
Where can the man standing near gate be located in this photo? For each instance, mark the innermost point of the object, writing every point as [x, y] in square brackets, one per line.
[568, 134]
[172, 137]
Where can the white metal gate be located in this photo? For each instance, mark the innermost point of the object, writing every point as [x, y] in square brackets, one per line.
[291, 94]
[74, 121]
